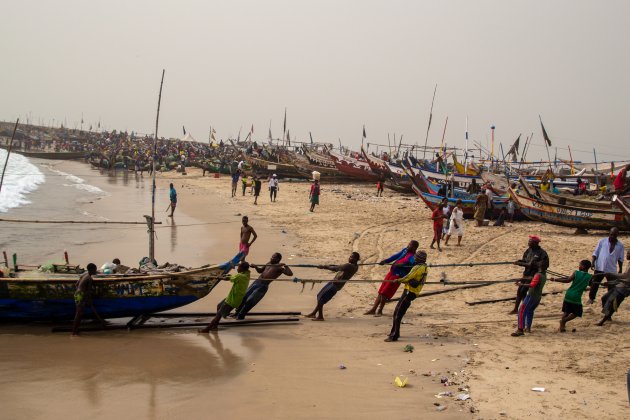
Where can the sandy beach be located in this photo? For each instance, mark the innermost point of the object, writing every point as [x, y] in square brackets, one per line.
[294, 371]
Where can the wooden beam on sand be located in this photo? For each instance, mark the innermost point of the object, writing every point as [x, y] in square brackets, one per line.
[178, 325]
[483, 302]
[439, 292]
[209, 314]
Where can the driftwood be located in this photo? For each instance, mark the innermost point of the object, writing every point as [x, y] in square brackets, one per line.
[483, 302]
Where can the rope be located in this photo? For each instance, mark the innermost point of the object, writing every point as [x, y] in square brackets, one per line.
[105, 222]
[442, 282]
[388, 264]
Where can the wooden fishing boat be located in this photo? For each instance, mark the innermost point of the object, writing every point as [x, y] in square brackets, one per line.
[36, 296]
[499, 184]
[283, 170]
[305, 168]
[378, 166]
[357, 169]
[460, 180]
[565, 199]
[623, 205]
[47, 155]
[566, 215]
[317, 158]
[429, 187]
[432, 202]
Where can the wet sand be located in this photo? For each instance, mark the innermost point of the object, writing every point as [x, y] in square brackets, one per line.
[293, 371]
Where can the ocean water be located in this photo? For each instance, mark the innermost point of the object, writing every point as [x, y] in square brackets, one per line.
[20, 179]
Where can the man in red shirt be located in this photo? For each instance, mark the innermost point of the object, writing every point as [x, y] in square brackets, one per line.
[438, 223]
[620, 180]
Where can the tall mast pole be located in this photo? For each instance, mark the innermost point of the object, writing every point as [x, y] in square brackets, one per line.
[6, 162]
[155, 139]
[466, 152]
[426, 139]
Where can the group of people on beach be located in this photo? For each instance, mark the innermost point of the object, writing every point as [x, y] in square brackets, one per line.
[606, 262]
[409, 268]
[255, 182]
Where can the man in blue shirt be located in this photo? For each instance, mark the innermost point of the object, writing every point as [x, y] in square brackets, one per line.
[608, 254]
[235, 177]
[173, 197]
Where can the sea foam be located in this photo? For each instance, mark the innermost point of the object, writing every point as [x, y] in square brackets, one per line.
[78, 183]
[20, 179]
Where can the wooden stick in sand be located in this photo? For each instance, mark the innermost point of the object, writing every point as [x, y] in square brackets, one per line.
[6, 162]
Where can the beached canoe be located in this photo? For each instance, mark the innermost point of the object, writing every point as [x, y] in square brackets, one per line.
[355, 168]
[36, 296]
[569, 216]
[47, 155]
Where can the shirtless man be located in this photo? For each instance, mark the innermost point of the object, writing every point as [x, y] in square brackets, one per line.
[246, 232]
[268, 273]
[344, 272]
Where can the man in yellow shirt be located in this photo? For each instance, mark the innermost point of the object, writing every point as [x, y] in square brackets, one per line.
[414, 281]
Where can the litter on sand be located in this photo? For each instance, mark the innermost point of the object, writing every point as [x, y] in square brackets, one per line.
[538, 389]
[401, 381]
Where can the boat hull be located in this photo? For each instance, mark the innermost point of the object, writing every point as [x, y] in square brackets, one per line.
[570, 216]
[35, 296]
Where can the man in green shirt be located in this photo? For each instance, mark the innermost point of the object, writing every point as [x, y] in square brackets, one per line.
[240, 281]
[572, 305]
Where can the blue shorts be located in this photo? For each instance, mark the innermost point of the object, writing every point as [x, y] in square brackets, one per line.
[328, 292]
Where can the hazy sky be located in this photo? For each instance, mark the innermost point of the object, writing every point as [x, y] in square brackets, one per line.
[335, 65]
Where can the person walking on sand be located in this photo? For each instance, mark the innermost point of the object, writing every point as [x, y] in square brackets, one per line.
[257, 187]
[83, 298]
[531, 301]
[173, 197]
[414, 281]
[438, 224]
[274, 187]
[268, 273]
[619, 289]
[344, 272]
[402, 263]
[608, 254]
[481, 204]
[246, 232]
[235, 176]
[457, 223]
[572, 304]
[380, 184]
[244, 184]
[531, 257]
[314, 194]
[240, 280]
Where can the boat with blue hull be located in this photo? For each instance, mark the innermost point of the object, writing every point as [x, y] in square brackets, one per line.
[36, 296]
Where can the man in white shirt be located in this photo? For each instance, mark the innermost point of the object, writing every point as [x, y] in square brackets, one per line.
[608, 253]
[273, 187]
[490, 196]
[457, 223]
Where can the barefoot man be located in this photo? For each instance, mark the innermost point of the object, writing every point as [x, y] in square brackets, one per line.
[414, 281]
[344, 272]
[618, 291]
[83, 298]
[240, 280]
[246, 232]
[268, 273]
[402, 261]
